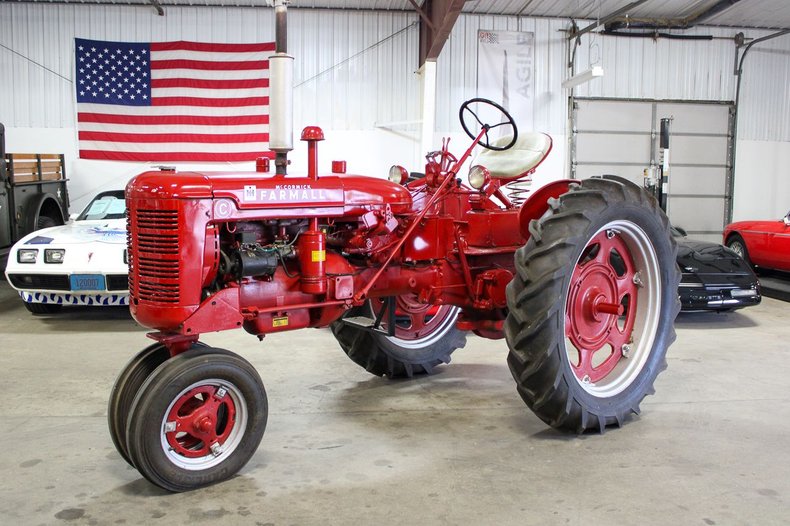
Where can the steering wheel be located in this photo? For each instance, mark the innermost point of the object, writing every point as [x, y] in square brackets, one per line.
[485, 141]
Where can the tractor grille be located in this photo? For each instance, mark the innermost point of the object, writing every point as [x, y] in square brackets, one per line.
[40, 281]
[154, 262]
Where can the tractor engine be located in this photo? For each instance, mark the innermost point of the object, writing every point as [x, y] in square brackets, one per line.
[215, 251]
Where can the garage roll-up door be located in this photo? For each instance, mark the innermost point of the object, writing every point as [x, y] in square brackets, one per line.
[621, 137]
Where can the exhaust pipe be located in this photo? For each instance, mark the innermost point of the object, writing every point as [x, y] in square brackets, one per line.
[281, 93]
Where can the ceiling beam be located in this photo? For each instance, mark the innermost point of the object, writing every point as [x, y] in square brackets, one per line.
[611, 16]
[437, 18]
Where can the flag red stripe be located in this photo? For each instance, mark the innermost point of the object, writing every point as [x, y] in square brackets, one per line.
[211, 47]
[173, 137]
[200, 101]
[174, 156]
[210, 65]
[173, 119]
[210, 84]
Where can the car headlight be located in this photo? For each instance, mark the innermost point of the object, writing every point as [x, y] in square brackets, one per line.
[54, 255]
[398, 174]
[27, 255]
[478, 177]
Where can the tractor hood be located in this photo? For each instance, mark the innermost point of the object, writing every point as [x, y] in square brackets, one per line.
[250, 190]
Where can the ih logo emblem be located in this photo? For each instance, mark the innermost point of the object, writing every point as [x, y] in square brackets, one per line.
[250, 192]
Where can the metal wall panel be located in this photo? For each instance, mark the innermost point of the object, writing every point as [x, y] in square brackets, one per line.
[348, 78]
[764, 112]
[457, 70]
[354, 69]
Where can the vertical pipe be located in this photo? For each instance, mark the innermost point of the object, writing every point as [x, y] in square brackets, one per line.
[281, 92]
[312, 160]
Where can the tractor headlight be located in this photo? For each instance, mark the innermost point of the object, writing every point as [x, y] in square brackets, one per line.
[27, 255]
[54, 255]
[478, 177]
[398, 174]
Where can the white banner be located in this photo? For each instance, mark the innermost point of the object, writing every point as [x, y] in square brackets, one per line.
[506, 72]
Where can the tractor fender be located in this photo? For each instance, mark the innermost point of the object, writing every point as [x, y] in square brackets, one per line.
[538, 202]
[33, 208]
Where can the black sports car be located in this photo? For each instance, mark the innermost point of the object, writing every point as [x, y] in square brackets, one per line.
[714, 277]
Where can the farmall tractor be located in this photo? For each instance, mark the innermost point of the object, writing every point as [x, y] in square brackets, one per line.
[579, 278]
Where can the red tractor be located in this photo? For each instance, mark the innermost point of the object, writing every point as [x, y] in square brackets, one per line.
[580, 280]
[578, 276]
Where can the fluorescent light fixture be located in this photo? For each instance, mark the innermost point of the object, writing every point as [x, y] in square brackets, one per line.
[584, 76]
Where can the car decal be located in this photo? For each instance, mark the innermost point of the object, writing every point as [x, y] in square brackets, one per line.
[39, 240]
[76, 299]
[105, 231]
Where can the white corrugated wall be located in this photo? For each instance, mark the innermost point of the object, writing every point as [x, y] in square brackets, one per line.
[346, 77]
[355, 71]
[356, 68]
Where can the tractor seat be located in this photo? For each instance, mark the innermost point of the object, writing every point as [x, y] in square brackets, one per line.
[528, 152]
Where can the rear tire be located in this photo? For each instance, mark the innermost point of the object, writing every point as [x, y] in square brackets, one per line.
[46, 222]
[615, 304]
[43, 308]
[406, 353]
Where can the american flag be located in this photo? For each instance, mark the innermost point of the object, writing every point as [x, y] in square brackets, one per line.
[172, 101]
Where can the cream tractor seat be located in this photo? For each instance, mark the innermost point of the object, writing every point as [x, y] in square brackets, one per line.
[520, 160]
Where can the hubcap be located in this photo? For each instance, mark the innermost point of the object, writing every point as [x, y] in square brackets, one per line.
[204, 424]
[611, 312]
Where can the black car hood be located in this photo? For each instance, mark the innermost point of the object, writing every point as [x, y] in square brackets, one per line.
[709, 259]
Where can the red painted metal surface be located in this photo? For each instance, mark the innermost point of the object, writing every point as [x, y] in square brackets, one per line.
[538, 202]
[320, 245]
[767, 242]
[338, 167]
[601, 306]
[200, 419]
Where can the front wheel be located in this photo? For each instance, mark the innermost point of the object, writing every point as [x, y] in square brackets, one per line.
[588, 339]
[196, 420]
[125, 388]
[737, 245]
[424, 337]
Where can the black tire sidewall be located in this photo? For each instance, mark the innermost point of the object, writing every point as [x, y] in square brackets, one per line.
[442, 342]
[125, 388]
[161, 389]
[43, 308]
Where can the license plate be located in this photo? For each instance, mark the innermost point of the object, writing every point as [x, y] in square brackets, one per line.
[87, 282]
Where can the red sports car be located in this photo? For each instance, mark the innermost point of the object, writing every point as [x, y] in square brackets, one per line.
[761, 243]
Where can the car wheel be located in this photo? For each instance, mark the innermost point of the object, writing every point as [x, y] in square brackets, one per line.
[737, 245]
[43, 308]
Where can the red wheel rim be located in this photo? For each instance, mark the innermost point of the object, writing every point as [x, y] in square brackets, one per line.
[601, 307]
[200, 421]
[414, 320]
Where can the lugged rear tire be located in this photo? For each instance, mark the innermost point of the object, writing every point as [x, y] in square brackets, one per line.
[617, 309]
[401, 355]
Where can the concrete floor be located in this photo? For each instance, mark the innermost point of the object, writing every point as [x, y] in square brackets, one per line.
[458, 448]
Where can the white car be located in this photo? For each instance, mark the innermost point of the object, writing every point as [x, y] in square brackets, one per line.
[83, 262]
